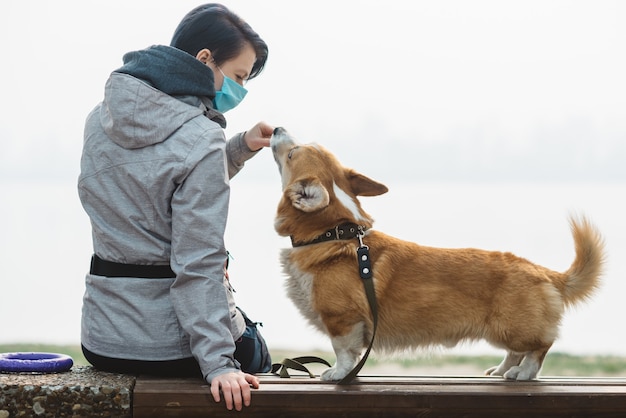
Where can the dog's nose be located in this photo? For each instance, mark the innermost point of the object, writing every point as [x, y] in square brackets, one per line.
[279, 130]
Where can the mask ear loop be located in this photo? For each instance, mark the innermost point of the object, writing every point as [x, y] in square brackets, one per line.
[223, 75]
[218, 67]
[245, 81]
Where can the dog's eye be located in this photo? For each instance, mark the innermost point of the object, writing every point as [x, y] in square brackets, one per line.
[291, 152]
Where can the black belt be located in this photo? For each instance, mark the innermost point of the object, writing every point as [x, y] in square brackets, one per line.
[101, 267]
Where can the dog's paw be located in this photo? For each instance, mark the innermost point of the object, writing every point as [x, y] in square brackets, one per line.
[520, 373]
[332, 375]
[492, 371]
[512, 373]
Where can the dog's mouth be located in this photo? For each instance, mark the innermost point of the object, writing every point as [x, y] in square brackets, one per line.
[280, 140]
[282, 145]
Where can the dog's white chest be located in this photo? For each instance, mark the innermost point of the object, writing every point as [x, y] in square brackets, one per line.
[299, 286]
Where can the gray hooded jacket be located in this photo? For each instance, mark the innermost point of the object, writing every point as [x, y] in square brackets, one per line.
[154, 181]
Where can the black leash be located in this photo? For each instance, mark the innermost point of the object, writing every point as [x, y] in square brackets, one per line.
[296, 363]
[365, 271]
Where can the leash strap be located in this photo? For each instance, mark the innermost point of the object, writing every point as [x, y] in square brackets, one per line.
[296, 363]
[365, 271]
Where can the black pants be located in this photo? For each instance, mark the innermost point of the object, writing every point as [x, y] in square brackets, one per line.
[187, 367]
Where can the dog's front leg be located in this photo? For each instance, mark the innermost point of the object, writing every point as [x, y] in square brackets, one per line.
[348, 349]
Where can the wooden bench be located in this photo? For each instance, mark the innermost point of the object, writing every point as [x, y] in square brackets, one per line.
[391, 396]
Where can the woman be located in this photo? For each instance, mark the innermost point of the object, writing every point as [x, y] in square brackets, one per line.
[154, 181]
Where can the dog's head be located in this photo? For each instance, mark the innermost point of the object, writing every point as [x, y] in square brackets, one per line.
[318, 192]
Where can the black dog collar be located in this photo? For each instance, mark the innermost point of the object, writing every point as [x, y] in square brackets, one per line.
[345, 231]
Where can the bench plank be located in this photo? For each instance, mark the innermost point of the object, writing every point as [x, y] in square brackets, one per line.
[388, 396]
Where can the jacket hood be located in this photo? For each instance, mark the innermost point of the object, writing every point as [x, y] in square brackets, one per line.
[155, 92]
[170, 70]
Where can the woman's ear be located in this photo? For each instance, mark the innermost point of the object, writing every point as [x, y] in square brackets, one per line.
[204, 56]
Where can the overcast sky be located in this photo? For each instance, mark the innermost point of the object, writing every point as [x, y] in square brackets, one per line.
[443, 90]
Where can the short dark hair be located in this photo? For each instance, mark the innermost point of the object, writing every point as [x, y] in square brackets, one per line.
[216, 28]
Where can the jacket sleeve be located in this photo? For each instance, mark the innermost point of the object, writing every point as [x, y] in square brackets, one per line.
[238, 153]
[199, 212]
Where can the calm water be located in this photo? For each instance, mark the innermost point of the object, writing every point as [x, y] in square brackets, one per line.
[46, 245]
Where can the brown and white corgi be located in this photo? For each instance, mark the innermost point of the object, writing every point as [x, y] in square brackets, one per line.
[426, 296]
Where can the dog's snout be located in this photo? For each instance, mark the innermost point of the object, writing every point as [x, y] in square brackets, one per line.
[281, 140]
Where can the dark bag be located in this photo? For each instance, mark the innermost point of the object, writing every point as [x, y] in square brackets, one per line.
[251, 350]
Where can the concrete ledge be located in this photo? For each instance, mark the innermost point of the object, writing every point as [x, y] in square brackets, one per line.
[81, 392]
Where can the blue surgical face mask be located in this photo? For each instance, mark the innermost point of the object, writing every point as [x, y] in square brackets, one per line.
[229, 96]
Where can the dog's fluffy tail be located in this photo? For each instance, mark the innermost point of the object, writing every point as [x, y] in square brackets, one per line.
[583, 276]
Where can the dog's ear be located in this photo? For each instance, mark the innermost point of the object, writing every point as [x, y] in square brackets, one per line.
[364, 186]
[308, 195]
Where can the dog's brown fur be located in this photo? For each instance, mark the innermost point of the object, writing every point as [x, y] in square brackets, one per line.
[426, 296]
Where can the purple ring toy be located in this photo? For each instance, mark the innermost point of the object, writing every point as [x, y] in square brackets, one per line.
[35, 362]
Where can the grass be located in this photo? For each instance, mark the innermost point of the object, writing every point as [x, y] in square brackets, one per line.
[556, 364]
